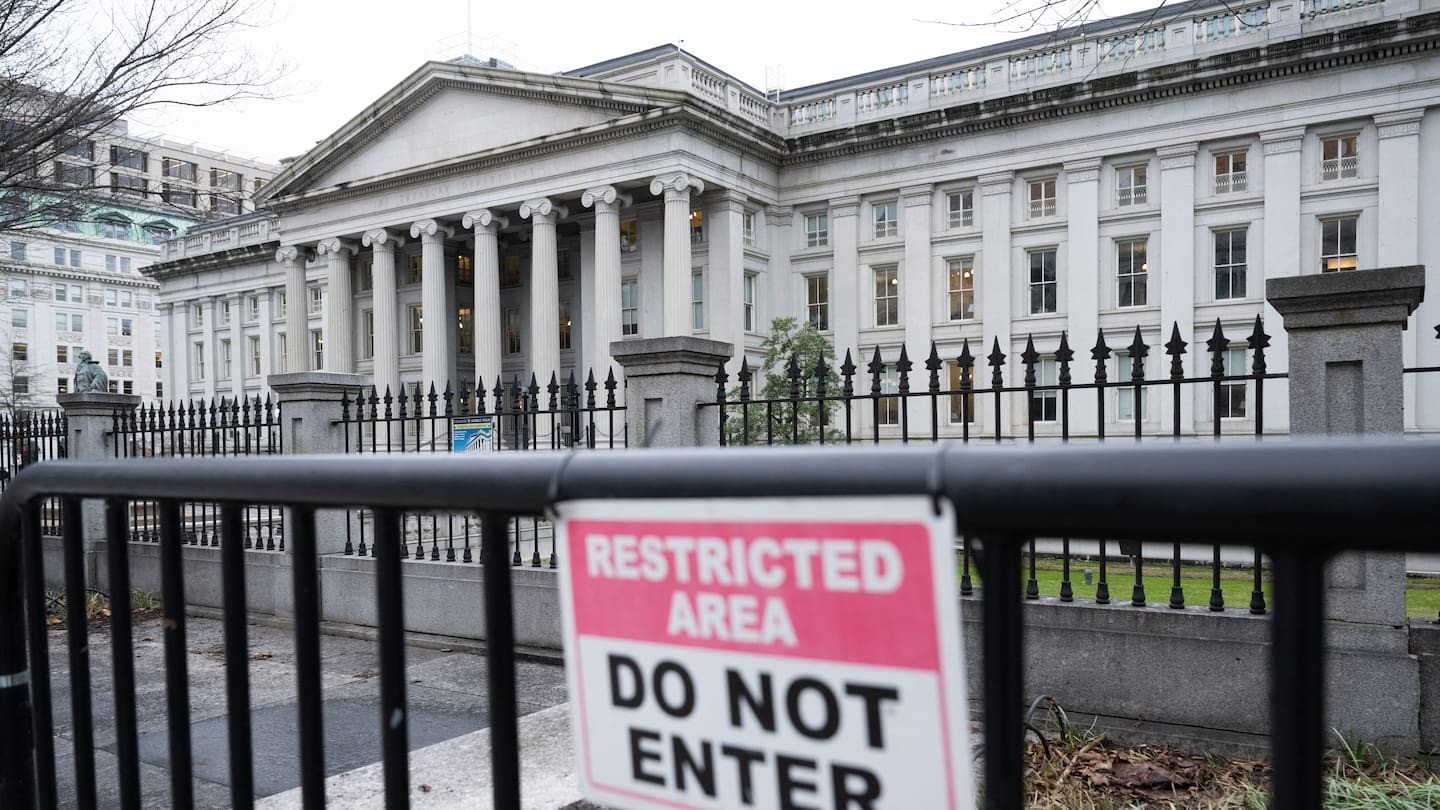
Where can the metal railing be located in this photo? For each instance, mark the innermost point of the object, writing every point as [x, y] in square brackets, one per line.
[505, 419]
[29, 437]
[1300, 502]
[197, 429]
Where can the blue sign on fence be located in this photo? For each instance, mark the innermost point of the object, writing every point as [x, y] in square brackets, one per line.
[473, 434]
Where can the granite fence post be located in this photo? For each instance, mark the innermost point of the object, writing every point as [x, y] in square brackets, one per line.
[90, 423]
[667, 380]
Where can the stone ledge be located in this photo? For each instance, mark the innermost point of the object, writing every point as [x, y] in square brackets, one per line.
[669, 355]
[1350, 298]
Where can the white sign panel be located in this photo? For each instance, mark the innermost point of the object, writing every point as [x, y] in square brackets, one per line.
[772, 654]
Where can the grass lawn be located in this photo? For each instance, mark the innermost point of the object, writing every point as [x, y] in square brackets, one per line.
[1422, 594]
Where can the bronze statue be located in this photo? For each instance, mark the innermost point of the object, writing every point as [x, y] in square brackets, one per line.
[89, 376]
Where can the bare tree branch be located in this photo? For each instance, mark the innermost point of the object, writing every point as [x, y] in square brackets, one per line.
[73, 70]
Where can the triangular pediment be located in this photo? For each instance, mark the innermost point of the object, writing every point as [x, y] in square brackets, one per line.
[447, 112]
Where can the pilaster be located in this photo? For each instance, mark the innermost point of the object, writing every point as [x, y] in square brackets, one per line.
[845, 279]
[917, 278]
[1082, 260]
[995, 286]
[1281, 254]
[1177, 250]
[725, 277]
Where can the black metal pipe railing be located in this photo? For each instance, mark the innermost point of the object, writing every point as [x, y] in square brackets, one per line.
[1298, 502]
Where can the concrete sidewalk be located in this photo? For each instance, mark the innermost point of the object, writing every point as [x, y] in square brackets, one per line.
[446, 691]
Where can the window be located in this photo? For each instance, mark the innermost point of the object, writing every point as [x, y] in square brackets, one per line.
[1124, 373]
[317, 348]
[1042, 198]
[697, 225]
[159, 390]
[74, 322]
[20, 384]
[889, 405]
[465, 328]
[128, 185]
[114, 227]
[697, 301]
[817, 300]
[73, 175]
[887, 296]
[62, 291]
[20, 351]
[19, 288]
[1339, 157]
[1231, 404]
[157, 232]
[62, 354]
[1230, 260]
[159, 359]
[20, 318]
[17, 251]
[127, 358]
[1130, 186]
[512, 330]
[317, 299]
[465, 270]
[114, 387]
[629, 307]
[886, 218]
[197, 316]
[252, 308]
[225, 360]
[225, 191]
[1044, 404]
[197, 353]
[224, 312]
[565, 325]
[817, 229]
[77, 293]
[749, 293]
[1230, 174]
[110, 266]
[257, 185]
[176, 195]
[127, 386]
[62, 385]
[176, 169]
[747, 228]
[75, 259]
[127, 158]
[629, 236]
[1131, 272]
[252, 351]
[60, 256]
[962, 406]
[510, 272]
[281, 306]
[1337, 244]
[417, 329]
[1044, 289]
[82, 148]
[960, 207]
[368, 317]
[281, 350]
[962, 288]
[414, 270]
[112, 357]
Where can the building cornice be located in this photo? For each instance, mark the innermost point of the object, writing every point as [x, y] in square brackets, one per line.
[210, 262]
[1381, 41]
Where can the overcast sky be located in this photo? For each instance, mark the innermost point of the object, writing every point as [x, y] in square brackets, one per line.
[343, 54]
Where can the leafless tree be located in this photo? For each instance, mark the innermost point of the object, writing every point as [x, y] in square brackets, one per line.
[24, 369]
[71, 70]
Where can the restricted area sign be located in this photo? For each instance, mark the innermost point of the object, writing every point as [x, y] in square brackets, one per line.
[794, 654]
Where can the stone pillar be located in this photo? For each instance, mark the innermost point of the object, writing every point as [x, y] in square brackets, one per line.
[917, 309]
[437, 337]
[90, 423]
[237, 345]
[544, 289]
[1175, 272]
[1082, 288]
[996, 309]
[339, 306]
[779, 221]
[845, 277]
[297, 324]
[669, 377]
[212, 346]
[1346, 378]
[676, 287]
[386, 374]
[487, 292]
[605, 314]
[269, 364]
[1281, 239]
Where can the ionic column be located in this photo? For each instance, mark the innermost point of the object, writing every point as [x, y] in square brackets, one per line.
[544, 289]
[677, 189]
[606, 313]
[437, 337]
[339, 304]
[487, 292]
[386, 371]
[297, 329]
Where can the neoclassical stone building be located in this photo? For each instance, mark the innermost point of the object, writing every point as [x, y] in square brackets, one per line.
[1149, 170]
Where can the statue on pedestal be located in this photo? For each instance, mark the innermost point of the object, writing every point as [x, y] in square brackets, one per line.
[89, 376]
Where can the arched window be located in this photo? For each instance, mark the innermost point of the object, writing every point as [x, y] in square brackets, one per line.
[157, 232]
[114, 227]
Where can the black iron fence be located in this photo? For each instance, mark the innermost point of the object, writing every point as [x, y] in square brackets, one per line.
[223, 426]
[508, 418]
[1300, 502]
[28, 437]
[884, 402]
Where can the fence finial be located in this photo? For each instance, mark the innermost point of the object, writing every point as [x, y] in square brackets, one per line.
[997, 365]
[1176, 348]
[1063, 355]
[1217, 344]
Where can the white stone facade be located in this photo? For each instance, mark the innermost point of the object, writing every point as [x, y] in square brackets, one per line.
[1149, 171]
[78, 284]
